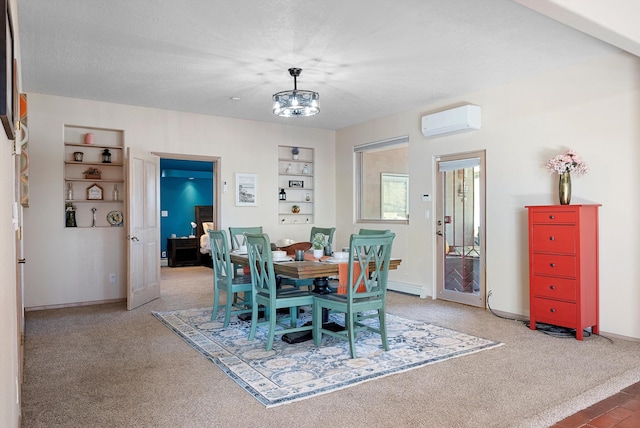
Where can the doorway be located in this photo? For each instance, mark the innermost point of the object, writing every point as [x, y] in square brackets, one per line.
[186, 182]
[460, 196]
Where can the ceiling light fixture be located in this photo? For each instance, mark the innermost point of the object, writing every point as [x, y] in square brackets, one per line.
[297, 102]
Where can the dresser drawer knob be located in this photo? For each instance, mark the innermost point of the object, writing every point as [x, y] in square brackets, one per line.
[552, 216]
[552, 238]
[552, 310]
[552, 287]
[552, 264]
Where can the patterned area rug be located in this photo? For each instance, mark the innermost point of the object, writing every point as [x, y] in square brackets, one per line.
[291, 372]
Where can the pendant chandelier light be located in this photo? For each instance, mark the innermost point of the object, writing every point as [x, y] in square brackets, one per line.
[297, 102]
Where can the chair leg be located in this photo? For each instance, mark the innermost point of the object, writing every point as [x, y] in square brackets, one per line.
[272, 327]
[227, 313]
[254, 321]
[383, 328]
[317, 323]
[351, 332]
[216, 301]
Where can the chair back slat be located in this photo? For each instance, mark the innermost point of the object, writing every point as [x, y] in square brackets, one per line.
[261, 262]
[371, 253]
[237, 235]
[220, 254]
[373, 231]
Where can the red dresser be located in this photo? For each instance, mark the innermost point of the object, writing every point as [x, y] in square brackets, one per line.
[563, 266]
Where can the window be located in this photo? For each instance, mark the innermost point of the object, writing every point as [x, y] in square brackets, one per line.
[383, 181]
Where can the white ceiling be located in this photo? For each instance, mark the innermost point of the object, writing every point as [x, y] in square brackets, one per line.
[366, 58]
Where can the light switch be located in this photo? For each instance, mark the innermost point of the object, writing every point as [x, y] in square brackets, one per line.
[164, 213]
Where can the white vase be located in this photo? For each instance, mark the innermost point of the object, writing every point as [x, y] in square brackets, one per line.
[318, 253]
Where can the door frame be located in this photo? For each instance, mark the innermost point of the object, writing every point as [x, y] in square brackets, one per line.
[439, 243]
[216, 161]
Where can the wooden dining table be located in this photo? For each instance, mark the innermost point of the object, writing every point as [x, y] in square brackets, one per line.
[320, 270]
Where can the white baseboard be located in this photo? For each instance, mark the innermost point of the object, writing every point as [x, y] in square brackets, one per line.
[406, 288]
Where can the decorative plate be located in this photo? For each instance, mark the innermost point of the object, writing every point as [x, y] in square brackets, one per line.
[114, 218]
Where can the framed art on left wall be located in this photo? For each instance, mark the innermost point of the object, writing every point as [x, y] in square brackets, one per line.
[8, 73]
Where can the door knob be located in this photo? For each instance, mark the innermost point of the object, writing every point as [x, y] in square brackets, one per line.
[22, 261]
[134, 238]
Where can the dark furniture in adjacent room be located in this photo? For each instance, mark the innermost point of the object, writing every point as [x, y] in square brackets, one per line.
[204, 214]
[183, 251]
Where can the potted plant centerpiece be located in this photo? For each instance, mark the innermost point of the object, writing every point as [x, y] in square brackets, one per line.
[92, 173]
[318, 243]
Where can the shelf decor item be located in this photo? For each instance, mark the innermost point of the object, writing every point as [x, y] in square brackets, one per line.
[295, 152]
[295, 209]
[115, 194]
[88, 138]
[114, 218]
[92, 173]
[77, 156]
[94, 192]
[70, 215]
[106, 156]
[565, 164]
[69, 191]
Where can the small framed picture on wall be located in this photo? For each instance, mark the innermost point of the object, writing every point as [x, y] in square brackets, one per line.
[246, 190]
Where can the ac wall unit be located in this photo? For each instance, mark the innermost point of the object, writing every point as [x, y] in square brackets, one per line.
[452, 121]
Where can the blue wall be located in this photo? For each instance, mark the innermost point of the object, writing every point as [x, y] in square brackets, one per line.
[179, 196]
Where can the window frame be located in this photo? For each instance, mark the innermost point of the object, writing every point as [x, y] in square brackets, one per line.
[359, 151]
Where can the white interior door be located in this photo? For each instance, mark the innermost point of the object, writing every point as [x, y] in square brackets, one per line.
[460, 269]
[143, 228]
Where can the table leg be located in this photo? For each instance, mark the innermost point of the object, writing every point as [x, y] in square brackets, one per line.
[321, 285]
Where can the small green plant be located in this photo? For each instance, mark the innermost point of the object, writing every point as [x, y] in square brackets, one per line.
[318, 241]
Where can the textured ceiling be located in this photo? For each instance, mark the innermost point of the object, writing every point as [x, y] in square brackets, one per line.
[366, 58]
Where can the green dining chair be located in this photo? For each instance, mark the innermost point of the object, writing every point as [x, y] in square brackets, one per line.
[224, 280]
[238, 239]
[268, 295]
[366, 294]
[328, 232]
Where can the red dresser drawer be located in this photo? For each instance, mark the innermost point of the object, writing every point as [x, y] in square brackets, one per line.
[554, 217]
[554, 239]
[554, 312]
[557, 288]
[549, 264]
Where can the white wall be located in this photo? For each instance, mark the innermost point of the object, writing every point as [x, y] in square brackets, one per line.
[9, 409]
[593, 108]
[69, 265]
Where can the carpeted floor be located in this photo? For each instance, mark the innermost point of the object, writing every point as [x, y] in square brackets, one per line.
[292, 372]
[104, 366]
